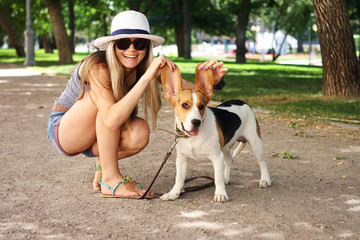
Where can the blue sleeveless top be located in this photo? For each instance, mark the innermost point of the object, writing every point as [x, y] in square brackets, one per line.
[73, 88]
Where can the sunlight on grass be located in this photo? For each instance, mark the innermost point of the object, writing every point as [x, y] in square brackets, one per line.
[341, 108]
[44, 61]
[243, 73]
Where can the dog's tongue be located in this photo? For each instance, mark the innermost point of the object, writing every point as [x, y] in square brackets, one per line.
[193, 132]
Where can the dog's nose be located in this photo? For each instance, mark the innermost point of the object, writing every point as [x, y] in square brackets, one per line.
[196, 122]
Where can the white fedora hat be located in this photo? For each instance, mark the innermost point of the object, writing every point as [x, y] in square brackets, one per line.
[129, 24]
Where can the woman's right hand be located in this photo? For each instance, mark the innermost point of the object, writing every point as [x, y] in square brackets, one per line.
[156, 65]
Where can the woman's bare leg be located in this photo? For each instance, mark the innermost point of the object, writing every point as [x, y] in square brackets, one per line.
[111, 145]
[81, 127]
[77, 130]
[132, 141]
[98, 176]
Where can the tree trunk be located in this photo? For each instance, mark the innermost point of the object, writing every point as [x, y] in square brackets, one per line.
[134, 5]
[45, 42]
[13, 35]
[341, 70]
[179, 28]
[104, 25]
[61, 38]
[179, 38]
[72, 25]
[187, 29]
[300, 48]
[358, 15]
[242, 23]
[149, 7]
[140, 6]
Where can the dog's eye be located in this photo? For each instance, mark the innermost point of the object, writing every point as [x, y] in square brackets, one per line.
[201, 107]
[185, 106]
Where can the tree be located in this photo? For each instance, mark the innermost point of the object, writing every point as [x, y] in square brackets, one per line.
[12, 24]
[242, 24]
[341, 70]
[15, 15]
[14, 36]
[179, 26]
[288, 16]
[141, 6]
[354, 12]
[167, 19]
[187, 29]
[42, 25]
[72, 25]
[291, 19]
[241, 10]
[61, 37]
[95, 17]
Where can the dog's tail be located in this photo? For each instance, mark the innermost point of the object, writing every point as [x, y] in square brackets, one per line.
[239, 148]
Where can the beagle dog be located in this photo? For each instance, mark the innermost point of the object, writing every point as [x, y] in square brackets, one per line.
[211, 131]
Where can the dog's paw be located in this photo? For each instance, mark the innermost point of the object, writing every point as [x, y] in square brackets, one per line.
[169, 196]
[265, 183]
[221, 198]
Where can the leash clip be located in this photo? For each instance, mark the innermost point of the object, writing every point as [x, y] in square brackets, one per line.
[181, 134]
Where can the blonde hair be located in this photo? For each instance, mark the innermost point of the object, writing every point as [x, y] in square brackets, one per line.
[118, 85]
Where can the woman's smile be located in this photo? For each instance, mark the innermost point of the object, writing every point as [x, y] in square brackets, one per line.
[130, 57]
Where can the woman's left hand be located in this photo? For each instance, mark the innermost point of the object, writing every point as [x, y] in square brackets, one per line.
[216, 67]
[156, 65]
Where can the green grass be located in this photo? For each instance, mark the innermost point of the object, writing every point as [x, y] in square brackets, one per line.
[291, 89]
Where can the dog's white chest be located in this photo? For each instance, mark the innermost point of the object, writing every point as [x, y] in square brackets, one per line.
[189, 149]
[199, 147]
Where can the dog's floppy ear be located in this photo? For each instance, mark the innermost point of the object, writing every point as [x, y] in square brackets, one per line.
[171, 82]
[204, 82]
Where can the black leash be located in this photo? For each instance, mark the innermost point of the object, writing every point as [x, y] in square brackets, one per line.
[167, 155]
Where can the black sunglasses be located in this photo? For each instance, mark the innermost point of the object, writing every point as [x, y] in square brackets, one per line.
[139, 43]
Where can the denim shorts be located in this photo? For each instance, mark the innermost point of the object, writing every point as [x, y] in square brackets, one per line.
[53, 129]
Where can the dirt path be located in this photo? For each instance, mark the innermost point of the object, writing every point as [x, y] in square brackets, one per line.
[44, 195]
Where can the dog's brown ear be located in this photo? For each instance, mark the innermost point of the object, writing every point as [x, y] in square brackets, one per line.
[204, 82]
[171, 82]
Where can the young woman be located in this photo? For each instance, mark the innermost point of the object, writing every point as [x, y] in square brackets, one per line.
[96, 114]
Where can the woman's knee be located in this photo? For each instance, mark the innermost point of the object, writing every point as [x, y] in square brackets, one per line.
[137, 136]
[141, 132]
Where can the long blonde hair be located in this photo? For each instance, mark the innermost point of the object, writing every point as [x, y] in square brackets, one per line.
[118, 85]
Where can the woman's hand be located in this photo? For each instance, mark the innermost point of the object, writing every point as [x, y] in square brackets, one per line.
[156, 65]
[216, 67]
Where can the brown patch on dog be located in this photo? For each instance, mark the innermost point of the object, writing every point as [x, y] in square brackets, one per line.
[201, 101]
[221, 136]
[258, 128]
[184, 97]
